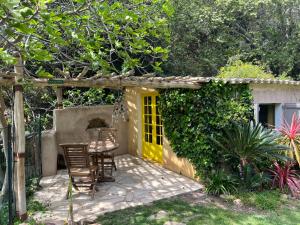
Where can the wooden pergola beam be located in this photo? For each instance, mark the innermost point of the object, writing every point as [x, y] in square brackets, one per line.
[115, 83]
[120, 81]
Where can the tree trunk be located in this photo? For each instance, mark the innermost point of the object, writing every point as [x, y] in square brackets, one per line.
[243, 163]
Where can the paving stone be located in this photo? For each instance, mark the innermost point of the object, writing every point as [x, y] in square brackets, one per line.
[238, 202]
[137, 182]
[129, 196]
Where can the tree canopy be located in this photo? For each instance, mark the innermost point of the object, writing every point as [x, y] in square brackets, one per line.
[106, 36]
[207, 33]
[195, 37]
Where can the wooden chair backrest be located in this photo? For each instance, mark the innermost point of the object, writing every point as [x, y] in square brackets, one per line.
[76, 155]
[108, 134]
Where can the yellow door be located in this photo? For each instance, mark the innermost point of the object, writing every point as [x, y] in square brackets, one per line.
[152, 129]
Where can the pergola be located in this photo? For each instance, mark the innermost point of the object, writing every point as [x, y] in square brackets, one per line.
[17, 79]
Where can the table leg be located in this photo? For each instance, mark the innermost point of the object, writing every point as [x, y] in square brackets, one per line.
[102, 177]
[102, 166]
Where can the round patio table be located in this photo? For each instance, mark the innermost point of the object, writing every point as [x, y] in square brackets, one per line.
[98, 149]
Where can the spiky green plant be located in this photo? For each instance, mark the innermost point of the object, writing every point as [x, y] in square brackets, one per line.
[251, 143]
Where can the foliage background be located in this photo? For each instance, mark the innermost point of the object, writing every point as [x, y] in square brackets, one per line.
[206, 34]
[190, 117]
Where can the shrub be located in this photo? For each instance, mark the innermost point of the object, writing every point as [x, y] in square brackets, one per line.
[250, 143]
[4, 213]
[191, 116]
[221, 183]
[239, 69]
[285, 177]
[255, 180]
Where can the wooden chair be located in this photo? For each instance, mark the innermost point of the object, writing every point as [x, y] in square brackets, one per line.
[103, 148]
[80, 168]
[108, 137]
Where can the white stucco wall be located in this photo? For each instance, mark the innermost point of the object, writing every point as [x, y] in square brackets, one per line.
[280, 95]
[274, 93]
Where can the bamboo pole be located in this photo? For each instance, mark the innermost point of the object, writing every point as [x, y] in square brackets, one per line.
[19, 147]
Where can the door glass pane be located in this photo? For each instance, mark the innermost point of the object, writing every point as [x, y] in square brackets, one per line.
[158, 140]
[157, 130]
[150, 119]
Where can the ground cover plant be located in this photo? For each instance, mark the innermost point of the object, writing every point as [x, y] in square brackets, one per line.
[33, 206]
[264, 200]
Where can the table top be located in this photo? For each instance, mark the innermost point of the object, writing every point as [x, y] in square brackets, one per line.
[102, 146]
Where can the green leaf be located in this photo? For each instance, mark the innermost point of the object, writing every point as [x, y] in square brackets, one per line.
[6, 57]
[26, 11]
[44, 74]
[24, 28]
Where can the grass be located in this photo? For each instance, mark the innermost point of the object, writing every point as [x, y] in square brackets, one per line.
[265, 200]
[181, 211]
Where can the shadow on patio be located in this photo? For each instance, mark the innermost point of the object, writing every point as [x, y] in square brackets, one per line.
[137, 182]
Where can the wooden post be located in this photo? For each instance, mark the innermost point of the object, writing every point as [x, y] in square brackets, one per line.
[59, 98]
[19, 145]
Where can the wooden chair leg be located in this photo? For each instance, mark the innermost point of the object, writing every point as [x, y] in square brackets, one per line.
[73, 184]
[68, 194]
[93, 191]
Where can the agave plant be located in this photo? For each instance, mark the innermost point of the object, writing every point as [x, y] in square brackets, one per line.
[251, 143]
[286, 177]
[291, 136]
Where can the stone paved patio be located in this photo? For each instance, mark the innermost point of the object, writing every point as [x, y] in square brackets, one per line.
[137, 182]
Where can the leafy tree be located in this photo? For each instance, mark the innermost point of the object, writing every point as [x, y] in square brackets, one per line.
[90, 96]
[207, 33]
[238, 69]
[107, 36]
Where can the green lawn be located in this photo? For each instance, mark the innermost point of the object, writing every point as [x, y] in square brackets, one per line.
[181, 211]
